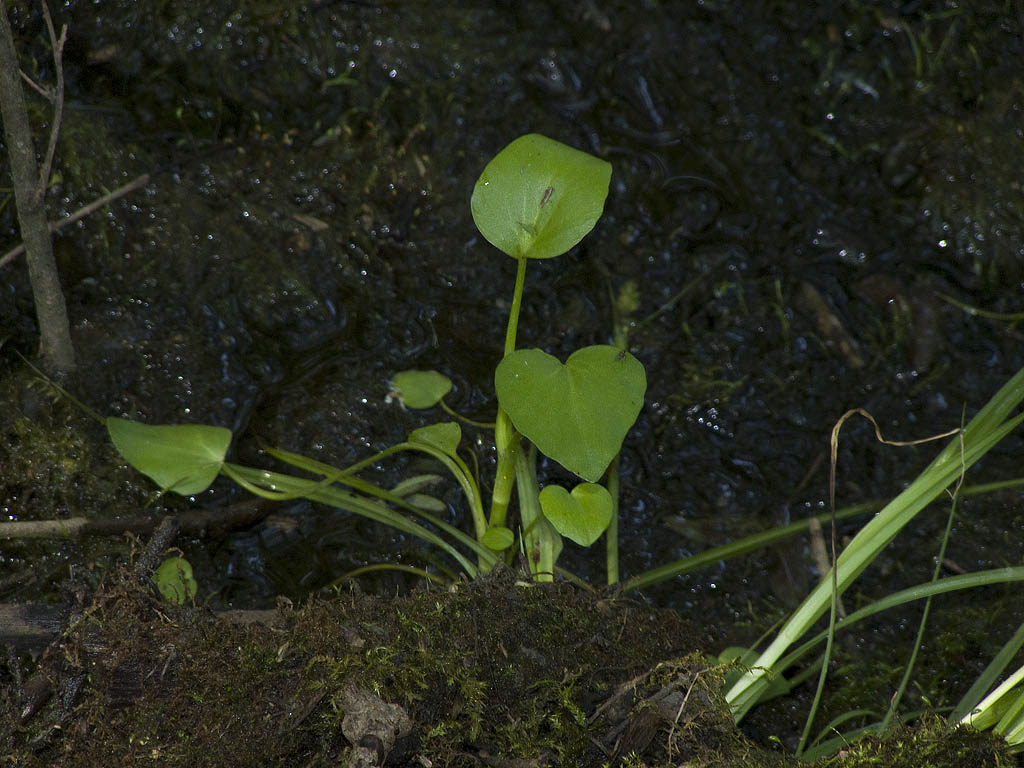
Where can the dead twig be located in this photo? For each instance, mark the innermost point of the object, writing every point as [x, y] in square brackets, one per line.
[81, 213]
[193, 523]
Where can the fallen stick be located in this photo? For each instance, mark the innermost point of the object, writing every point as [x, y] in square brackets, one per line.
[199, 522]
[81, 213]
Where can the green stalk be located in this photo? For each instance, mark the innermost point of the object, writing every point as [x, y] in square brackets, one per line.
[541, 541]
[506, 439]
[517, 301]
[507, 442]
[611, 535]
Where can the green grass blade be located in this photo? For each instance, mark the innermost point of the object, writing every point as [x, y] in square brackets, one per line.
[984, 431]
[739, 547]
[452, 463]
[987, 679]
[909, 595]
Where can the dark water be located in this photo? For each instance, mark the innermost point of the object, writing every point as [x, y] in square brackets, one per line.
[818, 176]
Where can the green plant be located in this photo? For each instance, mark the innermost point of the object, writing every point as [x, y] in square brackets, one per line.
[535, 200]
[764, 678]
[174, 580]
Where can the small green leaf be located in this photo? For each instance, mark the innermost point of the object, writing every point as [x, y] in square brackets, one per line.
[538, 197]
[444, 436]
[184, 458]
[582, 515]
[415, 484]
[427, 503]
[497, 538]
[174, 580]
[577, 413]
[420, 389]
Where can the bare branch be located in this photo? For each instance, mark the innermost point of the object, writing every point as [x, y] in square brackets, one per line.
[58, 99]
[46, 93]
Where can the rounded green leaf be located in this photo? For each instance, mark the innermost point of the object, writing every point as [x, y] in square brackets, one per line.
[538, 197]
[497, 538]
[420, 389]
[578, 413]
[582, 515]
[174, 580]
[184, 458]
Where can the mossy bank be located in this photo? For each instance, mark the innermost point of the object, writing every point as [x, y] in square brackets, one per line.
[500, 672]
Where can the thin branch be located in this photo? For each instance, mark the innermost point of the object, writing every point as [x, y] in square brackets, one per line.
[58, 99]
[81, 213]
[46, 93]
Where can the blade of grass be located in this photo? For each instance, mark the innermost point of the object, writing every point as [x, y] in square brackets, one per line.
[346, 476]
[264, 483]
[987, 679]
[991, 709]
[919, 592]
[736, 548]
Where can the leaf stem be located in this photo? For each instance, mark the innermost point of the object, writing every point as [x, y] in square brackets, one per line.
[506, 439]
[517, 300]
[611, 534]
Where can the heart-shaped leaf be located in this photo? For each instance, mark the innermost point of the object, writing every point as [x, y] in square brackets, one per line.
[538, 197]
[444, 436]
[582, 515]
[184, 458]
[579, 413]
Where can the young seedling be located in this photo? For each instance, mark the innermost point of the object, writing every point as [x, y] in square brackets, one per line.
[535, 200]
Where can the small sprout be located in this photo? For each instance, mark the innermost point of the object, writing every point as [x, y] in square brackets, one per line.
[628, 300]
[419, 389]
[444, 436]
[174, 580]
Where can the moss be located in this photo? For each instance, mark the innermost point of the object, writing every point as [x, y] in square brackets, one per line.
[491, 671]
[930, 744]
